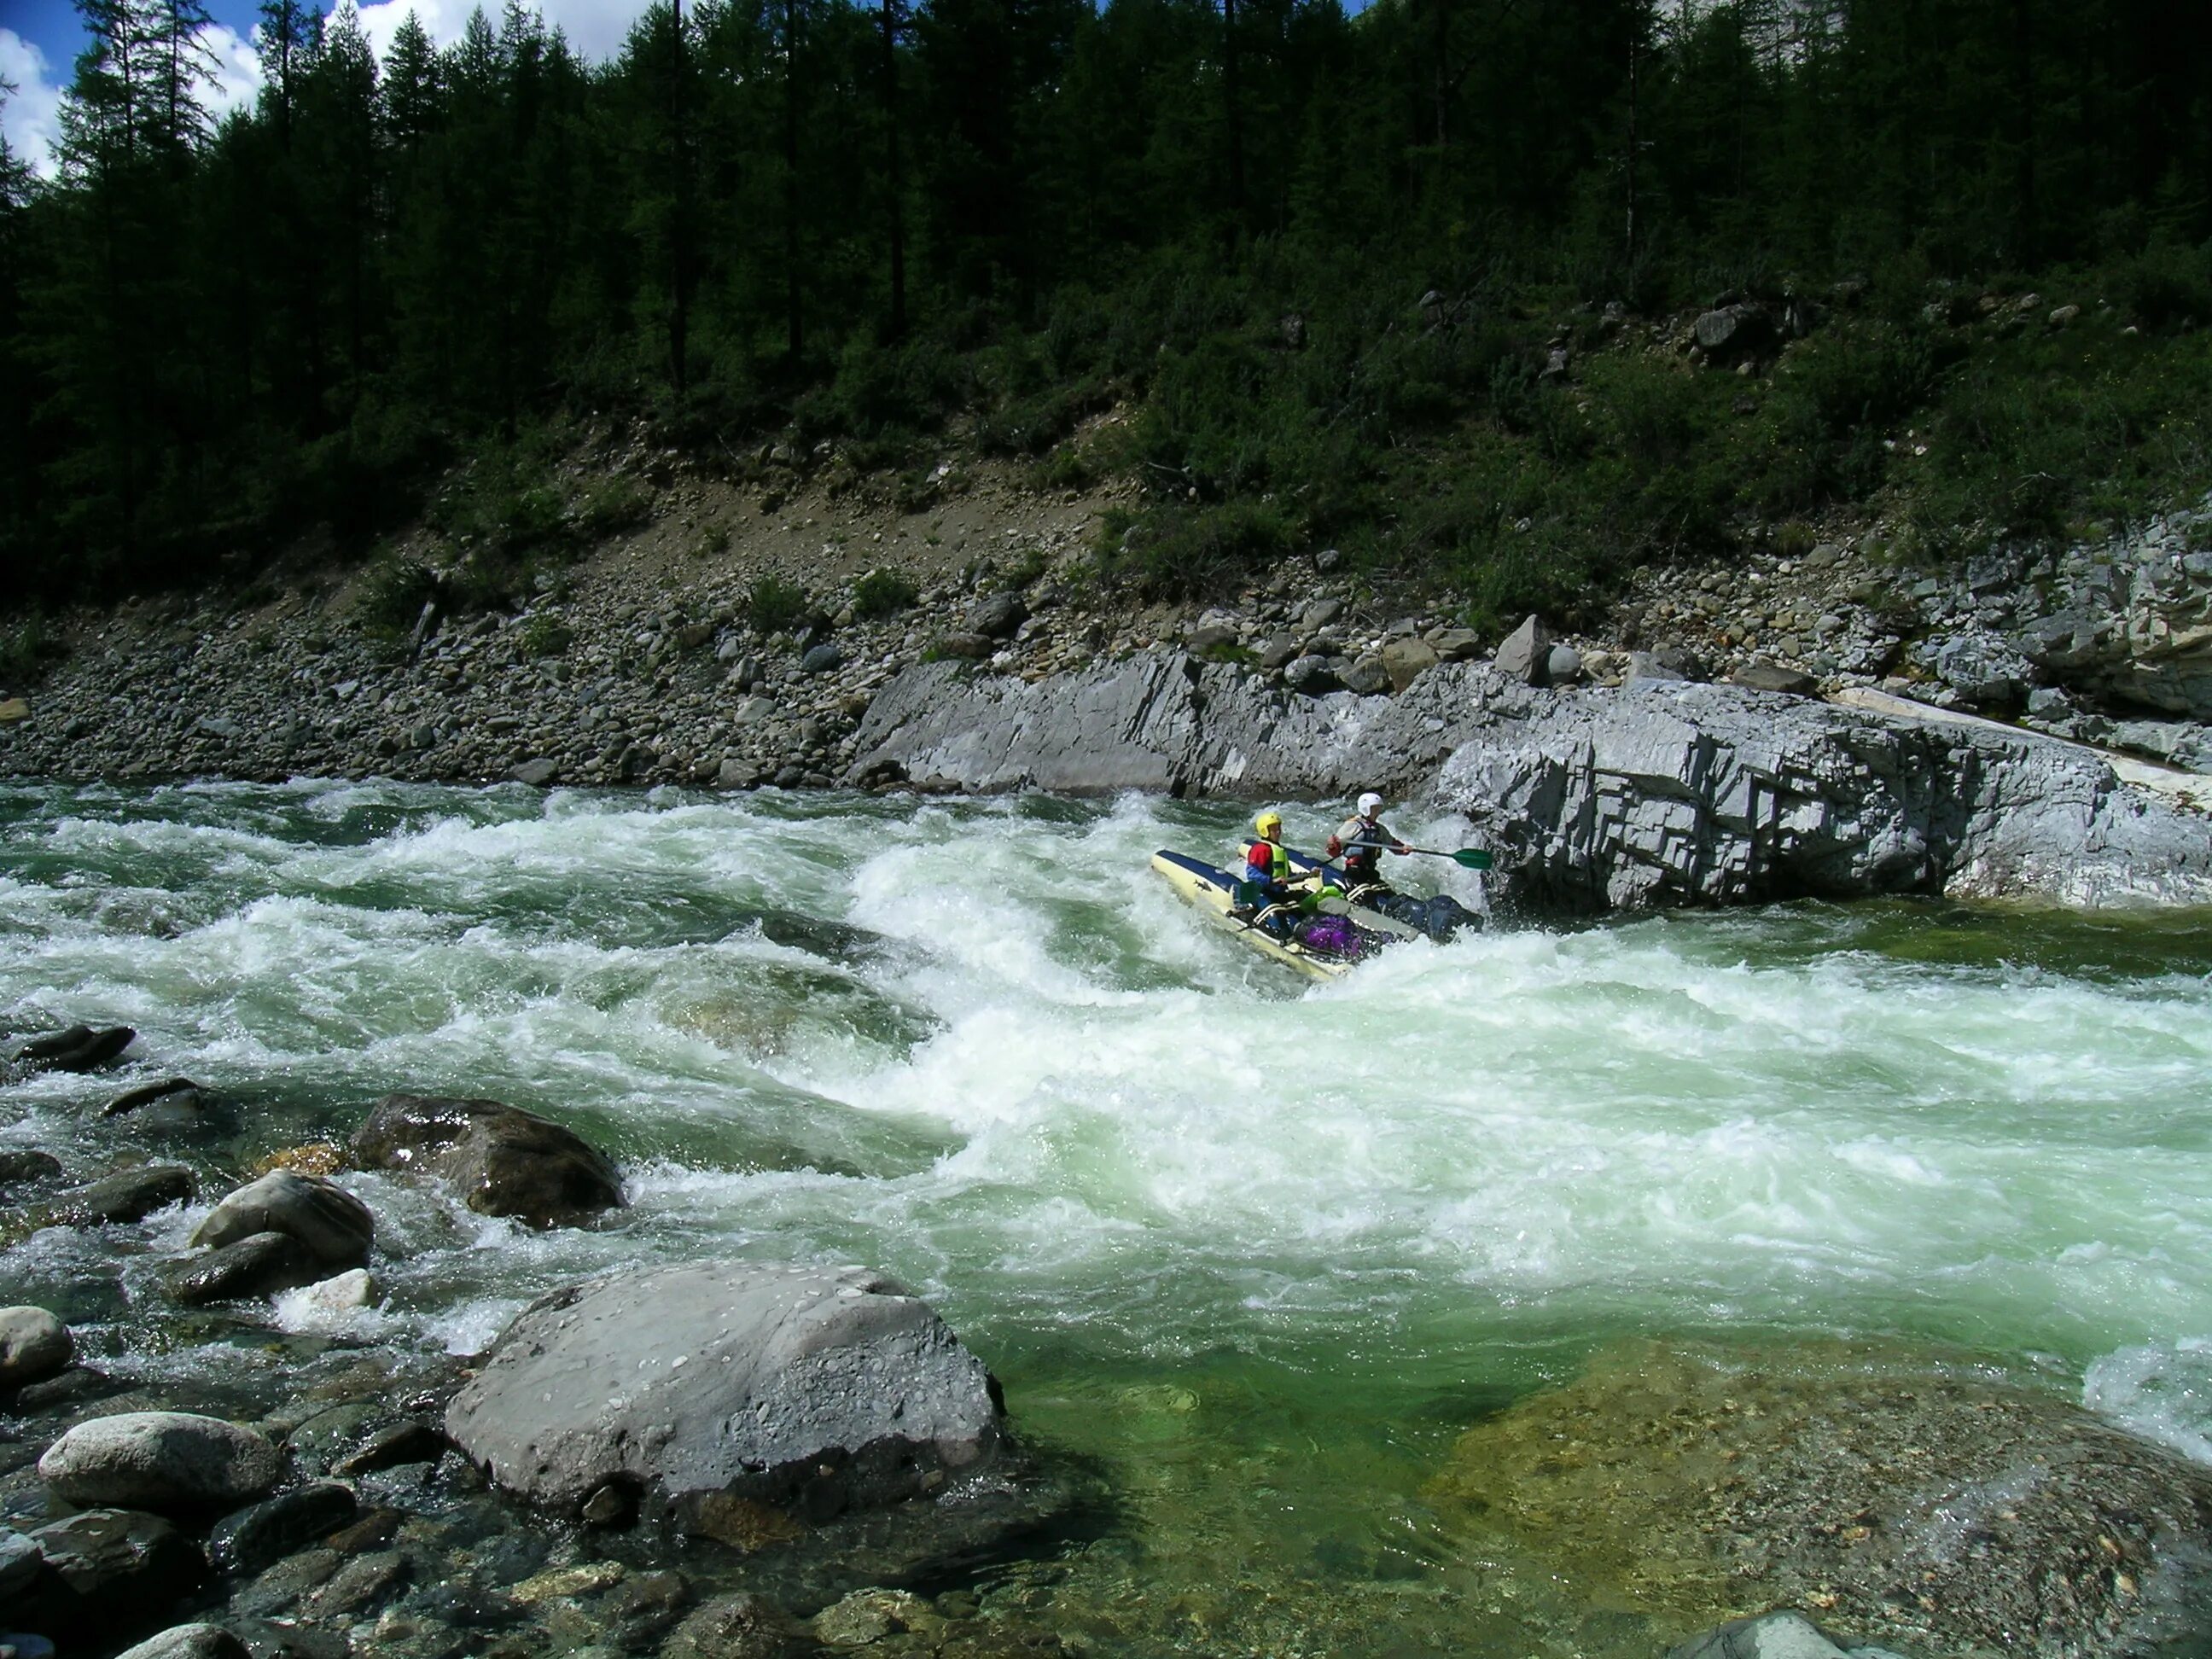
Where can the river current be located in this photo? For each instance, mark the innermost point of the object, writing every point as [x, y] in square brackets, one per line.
[1255, 1250]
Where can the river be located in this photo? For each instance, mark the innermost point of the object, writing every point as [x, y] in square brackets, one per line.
[1255, 1250]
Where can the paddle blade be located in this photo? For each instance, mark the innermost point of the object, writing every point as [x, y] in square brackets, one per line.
[1473, 858]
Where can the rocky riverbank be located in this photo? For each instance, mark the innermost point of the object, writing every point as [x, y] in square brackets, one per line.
[652, 665]
[367, 1496]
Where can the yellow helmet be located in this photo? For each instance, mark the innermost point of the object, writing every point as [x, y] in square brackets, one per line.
[1267, 823]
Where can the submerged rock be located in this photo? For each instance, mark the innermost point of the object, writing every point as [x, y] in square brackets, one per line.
[27, 1169]
[1918, 1499]
[177, 1099]
[260, 1264]
[816, 1389]
[161, 1461]
[128, 1195]
[505, 1161]
[109, 1572]
[1786, 1635]
[79, 1049]
[251, 1538]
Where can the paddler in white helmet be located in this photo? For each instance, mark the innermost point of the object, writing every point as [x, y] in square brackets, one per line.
[1360, 838]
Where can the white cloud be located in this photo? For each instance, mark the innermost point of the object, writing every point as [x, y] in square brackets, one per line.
[237, 69]
[596, 28]
[32, 117]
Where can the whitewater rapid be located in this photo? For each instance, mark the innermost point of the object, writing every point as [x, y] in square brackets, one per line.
[979, 1045]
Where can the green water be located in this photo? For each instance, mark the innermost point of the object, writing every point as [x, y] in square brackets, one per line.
[1256, 1252]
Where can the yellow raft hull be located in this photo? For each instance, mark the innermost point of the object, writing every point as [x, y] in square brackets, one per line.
[1206, 890]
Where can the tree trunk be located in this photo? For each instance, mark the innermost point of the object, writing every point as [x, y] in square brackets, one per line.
[795, 334]
[895, 186]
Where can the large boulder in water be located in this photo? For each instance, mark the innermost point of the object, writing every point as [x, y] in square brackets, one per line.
[335, 1228]
[161, 1461]
[505, 1161]
[1914, 1496]
[816, 1389]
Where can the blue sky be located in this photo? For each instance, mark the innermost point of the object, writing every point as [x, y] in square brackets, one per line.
[39, 40]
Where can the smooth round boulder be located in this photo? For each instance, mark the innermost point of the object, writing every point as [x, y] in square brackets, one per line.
[335, 1227]
[505, 1161]
[34, 1346]
[818, 1388]
[190, 1641]
[161, 1461]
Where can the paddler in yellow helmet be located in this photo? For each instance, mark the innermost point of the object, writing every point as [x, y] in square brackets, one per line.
[1266, 860]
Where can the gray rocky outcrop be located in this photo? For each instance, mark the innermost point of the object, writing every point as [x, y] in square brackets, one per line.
[161, 1461]
[504, 1160]
[817, 1389]
[1657, 794]
[34, 1346]
[333, 1226]
[1526, 655]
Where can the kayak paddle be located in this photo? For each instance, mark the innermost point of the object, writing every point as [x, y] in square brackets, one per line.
[1467, 857]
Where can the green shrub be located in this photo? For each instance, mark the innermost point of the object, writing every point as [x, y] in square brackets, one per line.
[545, 635]
[615, 506]
[883, 594]
[25, 647]
[391, 594]
[1171, 553]
[774, 605]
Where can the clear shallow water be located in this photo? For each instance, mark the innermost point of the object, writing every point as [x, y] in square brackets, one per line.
[1261, 1249]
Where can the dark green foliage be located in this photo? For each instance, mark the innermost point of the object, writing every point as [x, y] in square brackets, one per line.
[392, 594]
[1174, 554]
[883, 594]
[611, 508]
[1297, 269]
[26, 648]
[774, 605]
[545, 636]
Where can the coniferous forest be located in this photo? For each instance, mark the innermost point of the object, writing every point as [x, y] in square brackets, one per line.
[1327, 262]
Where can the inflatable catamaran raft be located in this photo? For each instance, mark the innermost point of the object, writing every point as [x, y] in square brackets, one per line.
[1324, 937]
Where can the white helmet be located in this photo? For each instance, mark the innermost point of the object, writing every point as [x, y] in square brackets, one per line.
[1369, 805]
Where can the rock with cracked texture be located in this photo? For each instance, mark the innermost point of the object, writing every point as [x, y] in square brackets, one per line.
[818, 1389]
[1660, 794]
